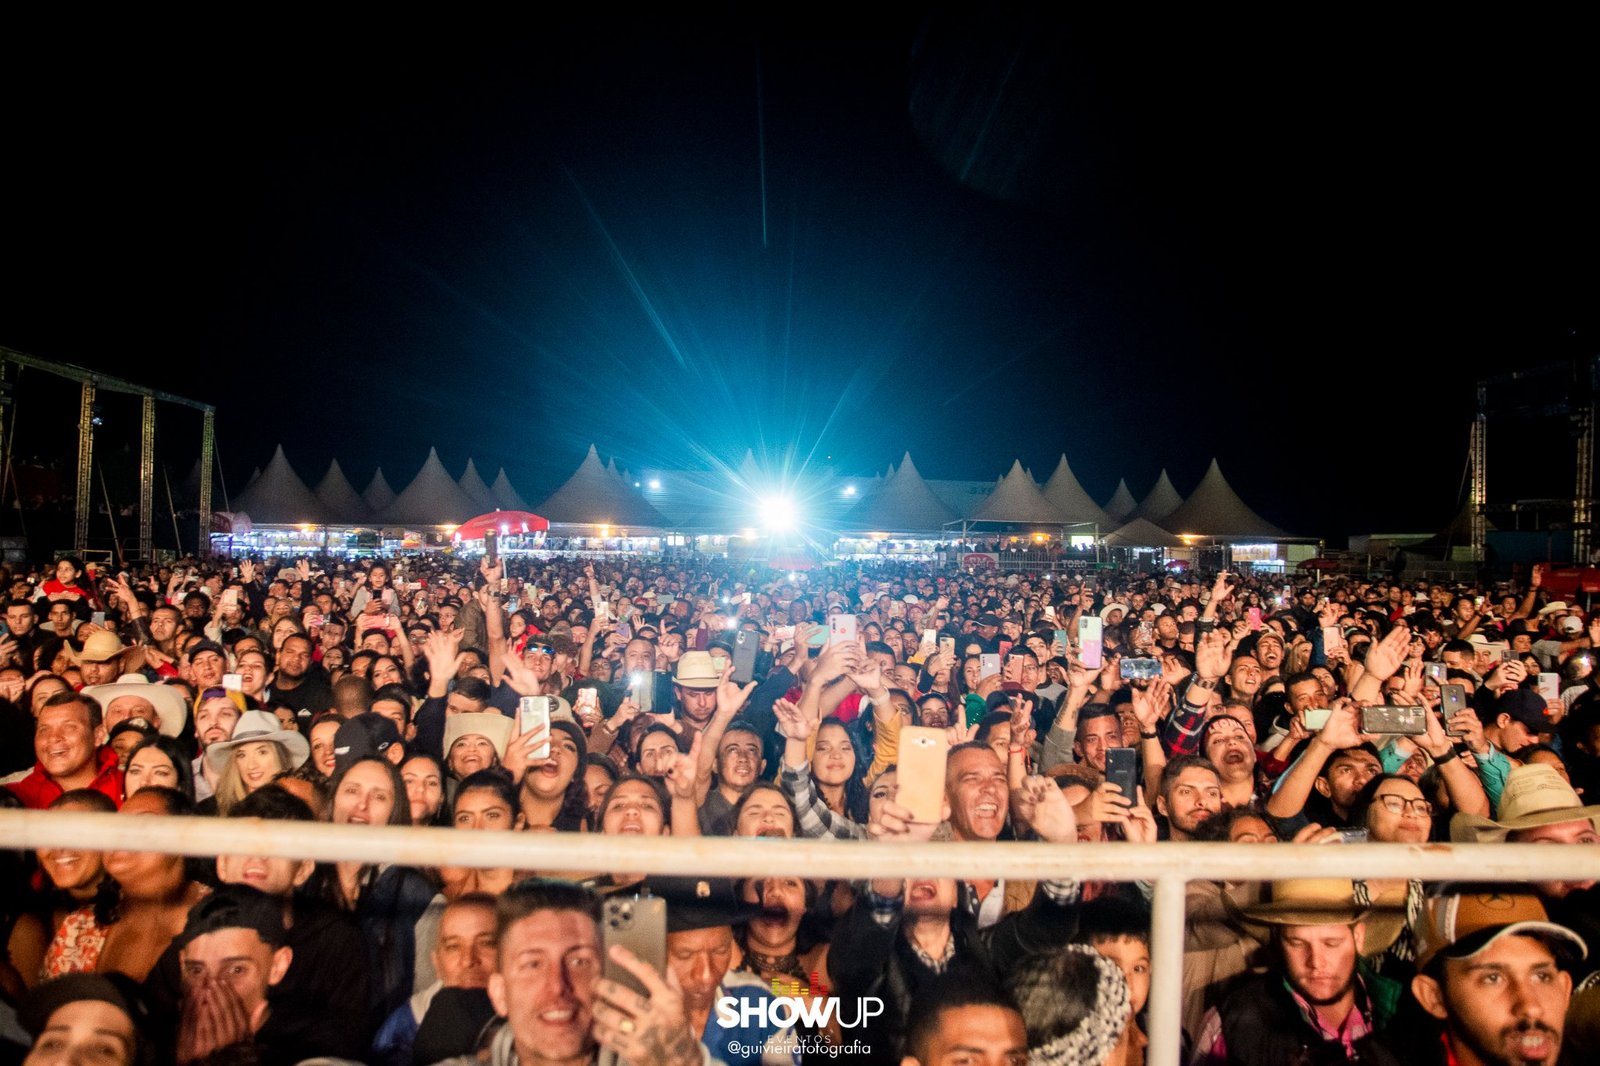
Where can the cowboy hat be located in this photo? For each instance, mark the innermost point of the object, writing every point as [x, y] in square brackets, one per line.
[1535, 794]
[1309, 901]
[259, 726]
[171, 709]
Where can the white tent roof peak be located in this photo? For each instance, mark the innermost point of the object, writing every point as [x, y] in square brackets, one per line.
[1213, 509]
[1017, 499]
[1122, 503]
[432, 499]
[378, 494]
[1067, 495]
[472, 484]
[1161, 501]
[506, 497]
[341, 502]
[279, 497]
[902, 503]
[592, 496]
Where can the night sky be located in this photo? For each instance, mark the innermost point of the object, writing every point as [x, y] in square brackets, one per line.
[1292, 245]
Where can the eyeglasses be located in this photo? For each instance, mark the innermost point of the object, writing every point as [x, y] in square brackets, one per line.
[1400, 805]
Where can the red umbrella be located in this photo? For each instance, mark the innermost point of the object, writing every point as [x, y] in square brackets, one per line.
[506, 523]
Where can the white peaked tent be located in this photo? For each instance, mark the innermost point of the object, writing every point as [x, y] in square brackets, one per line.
[611, 468]
[592, 497]
[748, 473]
[1067, 496]
[1215, 510]
[1122, 503]
[379, 495]
[432, 499]
[507, 498]
[341, 504]
[1162, 500]
[901, 504]
[1141, 533]
[1016, 499]
[279, 498]
[472, 484]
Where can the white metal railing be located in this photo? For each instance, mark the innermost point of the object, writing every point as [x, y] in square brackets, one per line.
[1169, 866]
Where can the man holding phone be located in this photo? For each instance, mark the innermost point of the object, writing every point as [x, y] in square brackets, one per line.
[547, 985]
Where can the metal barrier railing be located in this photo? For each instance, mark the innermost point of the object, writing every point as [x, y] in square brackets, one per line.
[1168, 866]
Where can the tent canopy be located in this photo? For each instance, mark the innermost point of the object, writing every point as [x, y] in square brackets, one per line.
[1161, 501]
[432, 499]
[506, 497]
[591, 496]
[472, 484]
[1122, 503]
[1067, 496]
[341, 503]
[901, 504]
[378, 495]
[279, 497]
[1142, 533]
[1016, 499]
[1213, 509]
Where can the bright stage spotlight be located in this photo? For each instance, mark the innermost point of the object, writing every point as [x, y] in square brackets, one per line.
[777, 514]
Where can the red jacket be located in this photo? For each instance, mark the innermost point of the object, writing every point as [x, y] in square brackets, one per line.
[38, 790]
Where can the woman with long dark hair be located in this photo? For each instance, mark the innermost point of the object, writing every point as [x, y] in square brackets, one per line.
[386, 900]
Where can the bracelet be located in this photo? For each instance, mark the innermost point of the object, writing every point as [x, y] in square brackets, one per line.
[1208, 683]
[1016, 751]
[1149, 736]
[1440, 760]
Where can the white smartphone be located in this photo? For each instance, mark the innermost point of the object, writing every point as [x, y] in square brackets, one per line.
[841, 629]
[1089, 646]
[533, 715]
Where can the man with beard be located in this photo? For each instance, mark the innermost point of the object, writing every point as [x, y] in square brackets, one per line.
[1191, 792]
[1494, 971]
[1310, 1005]
[297, 681]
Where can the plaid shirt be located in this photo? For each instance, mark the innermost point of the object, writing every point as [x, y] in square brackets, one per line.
[816, 821]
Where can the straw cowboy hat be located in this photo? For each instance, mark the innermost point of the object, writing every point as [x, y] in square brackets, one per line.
[1316, 901]
[1535, 794]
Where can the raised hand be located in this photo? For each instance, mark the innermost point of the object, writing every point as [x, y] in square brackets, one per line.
[1041, 804]
[792, 721]
[1211, 655]
[1385, 656]
[682, 769]
[1153, 704]
[650, 1030]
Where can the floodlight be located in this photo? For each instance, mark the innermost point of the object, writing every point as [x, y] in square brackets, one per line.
[777, 513]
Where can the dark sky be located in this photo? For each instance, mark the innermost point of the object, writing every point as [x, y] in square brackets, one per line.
[1292, 245]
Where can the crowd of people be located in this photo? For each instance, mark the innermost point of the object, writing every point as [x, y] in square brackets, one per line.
[700, 698]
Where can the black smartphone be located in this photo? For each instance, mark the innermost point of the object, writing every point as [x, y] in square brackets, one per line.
[1122, 770]
[1452, 699]
[491, 547]
[745, 646]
